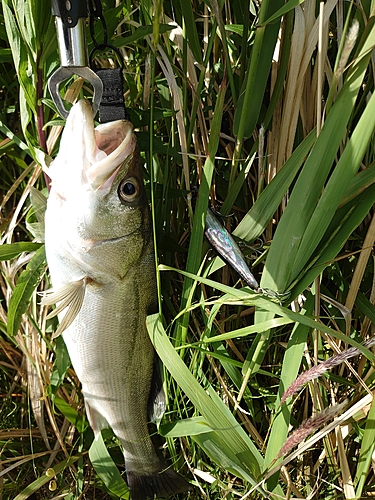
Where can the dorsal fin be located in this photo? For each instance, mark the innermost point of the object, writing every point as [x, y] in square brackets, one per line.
[70, 296]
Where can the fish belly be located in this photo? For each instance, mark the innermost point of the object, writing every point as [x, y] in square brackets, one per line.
[113, 357]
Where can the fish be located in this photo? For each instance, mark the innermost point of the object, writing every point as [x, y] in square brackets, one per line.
[100, 253]
[224, 244]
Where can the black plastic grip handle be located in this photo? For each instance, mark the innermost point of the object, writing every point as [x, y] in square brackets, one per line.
[69, 11]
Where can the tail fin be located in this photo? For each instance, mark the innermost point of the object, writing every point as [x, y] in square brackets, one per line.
[158, 485]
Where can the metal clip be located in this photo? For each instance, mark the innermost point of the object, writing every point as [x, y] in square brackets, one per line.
[71, 36]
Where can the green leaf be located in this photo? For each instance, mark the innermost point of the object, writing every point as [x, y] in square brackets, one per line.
[138, 34]
[187, 427]
[106, 468]
[12, 34]
[258, 217]
[367, 449]
[285, 246]
[229, 436]
[289, 5]
[6, 131]
[247, 297]
[359, 183]
[345, 221]
[42, 19]
[290, 368]
[365, 306]
[13, 250]
[143, 139]
[251, 98]
[250, 330]
[194, 255]
[25, 287]
[71, 414]
[5, 55]
[338, 184]
[237, 186]
[191, 30]
[61, 365]
[235, 28]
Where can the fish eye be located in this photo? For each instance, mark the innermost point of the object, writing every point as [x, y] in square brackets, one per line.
[128, 189]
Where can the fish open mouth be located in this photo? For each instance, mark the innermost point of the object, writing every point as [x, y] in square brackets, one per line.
[106, 147]
[110, 136]
[115, 142]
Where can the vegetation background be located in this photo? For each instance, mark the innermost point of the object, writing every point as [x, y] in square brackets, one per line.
[263, 110]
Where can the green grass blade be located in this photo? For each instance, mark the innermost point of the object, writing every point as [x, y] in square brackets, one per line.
[365, 306]
[345, 221]
[290, 5]
[367, 449]
[13, 250]
[359, 183]
[307, 190]
[290, 368]
[338, 184]
[237, 185]
[5, 55]
[191, 30]
[216, 10]
[139, 34]
[107, 469]
[213, 410]
[194, 255]
[187, 427]
[249, 103]
[5, 130]
[246, 297]
[256, 220]
[25, 287]
[79, 422]
[249, 330]
[60, 367]
[282, 68]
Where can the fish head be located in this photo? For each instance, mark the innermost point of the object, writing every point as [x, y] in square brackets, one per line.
[97, 201]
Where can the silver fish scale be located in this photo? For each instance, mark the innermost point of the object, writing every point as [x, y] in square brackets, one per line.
[115, 366]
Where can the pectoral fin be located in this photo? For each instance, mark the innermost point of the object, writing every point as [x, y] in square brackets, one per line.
[69, 297]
